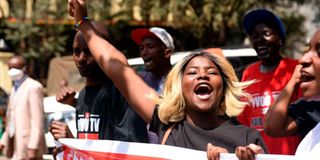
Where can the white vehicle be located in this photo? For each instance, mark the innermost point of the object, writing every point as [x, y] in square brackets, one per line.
[239, 58]
[60, 112]
[229, 53]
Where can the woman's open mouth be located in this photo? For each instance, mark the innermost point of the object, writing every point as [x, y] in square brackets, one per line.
[306, 77]
[306, 80]
[203, 90]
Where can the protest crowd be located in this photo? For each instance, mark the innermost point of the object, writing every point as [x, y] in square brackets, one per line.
[198, 103]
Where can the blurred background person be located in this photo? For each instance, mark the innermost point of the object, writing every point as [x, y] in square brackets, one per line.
[156, 46]
[24, 134]
[272, 72]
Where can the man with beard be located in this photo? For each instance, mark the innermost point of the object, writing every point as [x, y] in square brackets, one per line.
[101, 110]
[272, 72]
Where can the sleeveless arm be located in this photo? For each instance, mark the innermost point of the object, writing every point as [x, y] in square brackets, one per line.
[277, 120]
[115, 64]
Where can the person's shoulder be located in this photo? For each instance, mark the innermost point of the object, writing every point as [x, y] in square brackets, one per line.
[82, 91]
[144, 75]
[110, 87]
[253, 66]
[33, 83]
[306, 105]
[287, 65]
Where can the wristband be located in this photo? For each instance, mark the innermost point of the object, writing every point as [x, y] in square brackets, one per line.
[77, 25]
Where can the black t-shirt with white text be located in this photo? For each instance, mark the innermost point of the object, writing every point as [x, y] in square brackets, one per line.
[228, 135]
[103, 113]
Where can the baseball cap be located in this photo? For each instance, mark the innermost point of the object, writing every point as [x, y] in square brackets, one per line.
[262, 15]
[139, 34]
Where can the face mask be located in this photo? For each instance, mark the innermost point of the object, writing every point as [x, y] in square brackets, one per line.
[15, 74]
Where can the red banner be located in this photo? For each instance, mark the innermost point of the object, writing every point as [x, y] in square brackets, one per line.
[82, 149]
[116, 150]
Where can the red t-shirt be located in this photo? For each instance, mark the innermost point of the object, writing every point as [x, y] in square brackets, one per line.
[264, 91]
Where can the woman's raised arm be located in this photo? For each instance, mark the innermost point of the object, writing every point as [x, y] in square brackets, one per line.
[115, 65]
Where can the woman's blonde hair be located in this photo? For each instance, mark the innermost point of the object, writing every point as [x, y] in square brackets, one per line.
[172, 105]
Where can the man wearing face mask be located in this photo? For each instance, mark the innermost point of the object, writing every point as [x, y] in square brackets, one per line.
[24, 134]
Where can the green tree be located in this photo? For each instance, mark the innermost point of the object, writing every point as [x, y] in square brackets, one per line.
[197, 23]
[38, 37]
[215, 23]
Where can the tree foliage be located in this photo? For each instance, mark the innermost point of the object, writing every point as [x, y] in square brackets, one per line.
[194, 23]
[218, 22]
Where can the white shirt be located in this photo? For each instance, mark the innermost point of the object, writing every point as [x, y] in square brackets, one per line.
[310, 145]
